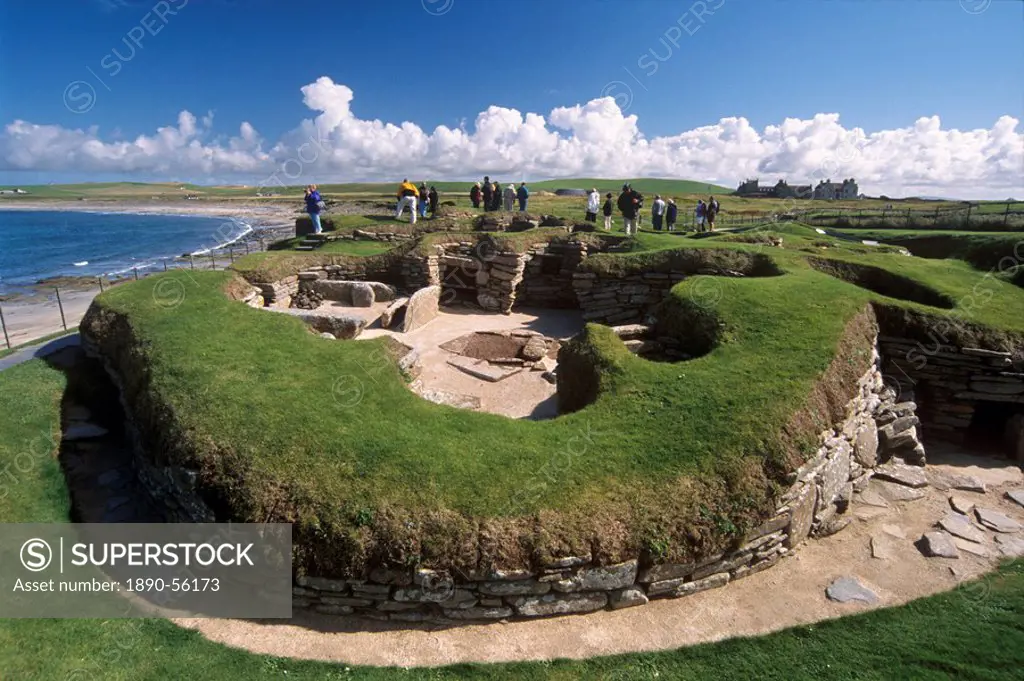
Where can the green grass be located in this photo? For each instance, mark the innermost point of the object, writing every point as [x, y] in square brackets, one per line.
[269, 403]
[999, 251]
[924, 639]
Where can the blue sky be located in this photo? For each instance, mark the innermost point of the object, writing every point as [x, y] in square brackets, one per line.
[880, 65]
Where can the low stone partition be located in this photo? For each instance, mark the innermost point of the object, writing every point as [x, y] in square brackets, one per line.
[548, 276]
[608, 299]
[951, 384]
[816, 504]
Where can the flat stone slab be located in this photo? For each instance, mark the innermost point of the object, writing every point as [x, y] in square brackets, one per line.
[84, 431]
[483, 370]
[938, 545]
[909, 476]
[967, 483]
[871, 497]
[895, 531]
[457, 400]
[961, 504]
[994, 520]
[960, 526]
[894, 491]
[1011, 547]
[1016, 496]
[882, 546]
[848, 589]
[971, 547]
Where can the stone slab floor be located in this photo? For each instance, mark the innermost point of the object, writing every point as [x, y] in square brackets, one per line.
[522, 395]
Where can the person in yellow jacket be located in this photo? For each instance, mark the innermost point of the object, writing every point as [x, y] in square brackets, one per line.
[407, 197]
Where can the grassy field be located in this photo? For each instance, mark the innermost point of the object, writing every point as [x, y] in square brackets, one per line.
[270, 405]
[976, 632]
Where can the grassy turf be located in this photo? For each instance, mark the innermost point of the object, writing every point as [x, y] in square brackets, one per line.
[334, 424]
[924, 639]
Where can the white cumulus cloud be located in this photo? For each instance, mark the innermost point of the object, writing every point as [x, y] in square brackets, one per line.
[595, 139]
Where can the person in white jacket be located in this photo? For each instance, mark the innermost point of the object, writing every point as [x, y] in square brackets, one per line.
[657, 212]
[593, 205]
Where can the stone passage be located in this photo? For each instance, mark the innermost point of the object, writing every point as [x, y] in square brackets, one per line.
[962, 392]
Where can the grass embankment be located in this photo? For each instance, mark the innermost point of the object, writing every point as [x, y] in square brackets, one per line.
[930, 632]
[999, 251]
[671, 456]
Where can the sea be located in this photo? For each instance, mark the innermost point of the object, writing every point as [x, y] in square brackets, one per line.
[41, 245]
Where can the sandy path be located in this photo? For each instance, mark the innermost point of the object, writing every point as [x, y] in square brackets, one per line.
[789, 594]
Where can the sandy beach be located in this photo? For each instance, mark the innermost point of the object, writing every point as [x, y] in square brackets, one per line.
[35, 313]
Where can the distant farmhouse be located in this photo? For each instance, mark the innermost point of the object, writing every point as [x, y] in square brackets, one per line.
[847, 189]
[13, 191]
[827, 189]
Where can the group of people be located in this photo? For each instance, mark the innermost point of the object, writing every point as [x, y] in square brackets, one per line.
[417, 200]
[706, 213]
[664, 214]
[490, 196]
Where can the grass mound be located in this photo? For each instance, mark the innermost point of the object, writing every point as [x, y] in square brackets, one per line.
[882, 282]
[674, 460]
[930, 630]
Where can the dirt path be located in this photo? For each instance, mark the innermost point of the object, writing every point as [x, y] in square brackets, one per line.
[789, 594]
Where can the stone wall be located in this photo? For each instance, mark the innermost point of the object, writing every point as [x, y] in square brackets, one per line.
[948, 382]
[816, 504]
[609, 299]
[548, 277]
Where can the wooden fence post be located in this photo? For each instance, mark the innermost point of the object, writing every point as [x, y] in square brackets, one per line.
[967, 223]
[60, 306]
[3, 324]
[1006, 215]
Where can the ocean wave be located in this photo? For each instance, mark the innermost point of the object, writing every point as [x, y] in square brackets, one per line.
[246, 228]
[80, 264]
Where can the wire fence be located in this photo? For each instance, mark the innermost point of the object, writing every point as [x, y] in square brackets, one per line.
[38, 312]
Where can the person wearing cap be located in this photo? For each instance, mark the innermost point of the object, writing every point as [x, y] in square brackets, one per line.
[628, 205]
[593, 205]
[523, 194]
[407, 197]
[607, 210]
[657, 212]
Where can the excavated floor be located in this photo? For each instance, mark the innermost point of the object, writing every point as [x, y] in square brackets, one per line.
[523, 394]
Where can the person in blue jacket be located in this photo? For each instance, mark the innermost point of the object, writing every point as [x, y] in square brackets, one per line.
[523, 194]
[314, 204]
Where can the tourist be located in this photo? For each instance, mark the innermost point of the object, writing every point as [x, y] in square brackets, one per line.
[657, 212]
[496, 196]
[510, 198]
[607, 210]
[407, 194]
[432, 197]
[424, 199]
[710, 212]
[314, 204]
[475, 195]
[593, 205]
[699, 215]
[487, 190]
[627, 205]
[523, 194]
[671, 213]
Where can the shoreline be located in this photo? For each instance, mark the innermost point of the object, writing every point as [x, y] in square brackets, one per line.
[267, 223]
